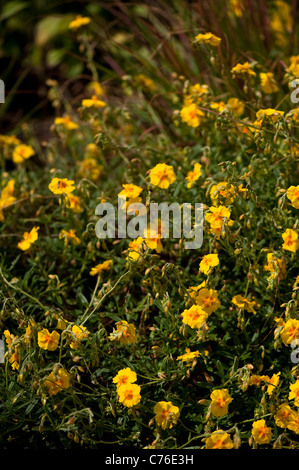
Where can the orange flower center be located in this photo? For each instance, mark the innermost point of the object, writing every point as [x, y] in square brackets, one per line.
[48, 339]
[194, 316]
[61, 184]
[221, 402]
[163, 175]
[294, 332]
[165, 414]
[262, 431]
[126, 332]
[129, 395]
[123, 379]
[218, 444]
[193, 114]
[208, 301]
[289, 241]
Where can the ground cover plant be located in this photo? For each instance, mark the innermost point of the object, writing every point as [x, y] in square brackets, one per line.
[142, 342]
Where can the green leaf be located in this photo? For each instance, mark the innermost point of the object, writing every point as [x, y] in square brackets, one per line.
[220, 368]
[82, 300]
[11, 8]
[50, 27]
[113, 316]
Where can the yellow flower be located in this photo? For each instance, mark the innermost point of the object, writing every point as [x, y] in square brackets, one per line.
[74, 203]
[294, 393]
[14, 359]
[9, 140]
[294, 60]
[270, 114]
[96, 88]
[9, 338]
[293, 424]
[13, 356]
[243, 69]
[153, 240]
[222, 191]
[235, 106]
[99, 268]
[237, 7]
[275, 265]
[57, 381]
[198, 90]
[130, 191]
[294, 115]
[208, 300]
[124, 377]
[281, 22]
[90, 169]
[220, 401]
[219, 440]
[162, 175]
[293, 69]
[134, 248]
[244, 303]
[29, 332]
[61, 186]
[145, 82]
[6, 197]
[207, 262]
[22, 152]
[192, 291]
[283, 415]
[293, 196]
[8, 190]
[208, 38]
[188, 356]
[290, 238]
[257, 379]
[130, 195]
[132, 207]
[195, 316]
[193, 175]
[61, 324]
[277, 268]
[79, 332]
[260, 432]
[191, 115]
[93, 102]
[268, 83]
[69, 236]
[28, 239]
[290, 331]
[219, 106]
[166, 414]
[129, 394]
[272, 383]
[218, 217]
[78, 22]
[48, 341]
[66, 122]
[125, 333]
